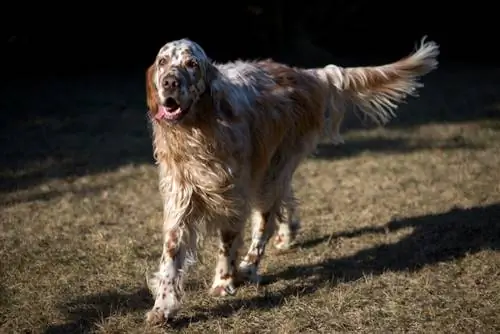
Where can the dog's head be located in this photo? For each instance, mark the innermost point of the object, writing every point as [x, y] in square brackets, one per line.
[180, 75]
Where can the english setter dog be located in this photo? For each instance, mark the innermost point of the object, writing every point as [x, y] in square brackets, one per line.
[228, 138]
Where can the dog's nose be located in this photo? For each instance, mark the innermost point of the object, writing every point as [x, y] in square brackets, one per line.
[170, 82]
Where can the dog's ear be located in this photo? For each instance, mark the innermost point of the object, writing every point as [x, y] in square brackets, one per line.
[151, 93]
[219, 94]
[211, 73]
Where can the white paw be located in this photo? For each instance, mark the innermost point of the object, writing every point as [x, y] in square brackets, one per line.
[285, 238]
[167, 301]
[159, 316]
[222, 289]
[283, 242]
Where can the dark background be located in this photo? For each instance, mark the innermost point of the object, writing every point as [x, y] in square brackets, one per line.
[105, 37]
[72, 91]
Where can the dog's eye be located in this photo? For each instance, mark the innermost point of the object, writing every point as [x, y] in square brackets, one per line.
[191, 63]
[162, 61]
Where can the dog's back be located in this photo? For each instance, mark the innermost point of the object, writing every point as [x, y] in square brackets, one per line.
[293, 107]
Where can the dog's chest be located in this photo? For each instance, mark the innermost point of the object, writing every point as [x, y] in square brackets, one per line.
[201, 189]
[199, 176]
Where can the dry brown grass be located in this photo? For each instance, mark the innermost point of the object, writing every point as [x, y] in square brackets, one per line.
[401, 225]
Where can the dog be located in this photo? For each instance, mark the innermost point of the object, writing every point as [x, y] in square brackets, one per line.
[227, 139]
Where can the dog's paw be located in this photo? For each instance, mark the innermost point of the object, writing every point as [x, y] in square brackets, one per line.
[158, 317]
[222, 290]
[285, 238]
[155, 317]
[338, 140]
[283, 242]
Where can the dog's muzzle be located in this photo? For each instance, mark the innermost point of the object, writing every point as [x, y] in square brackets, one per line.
[171, 108]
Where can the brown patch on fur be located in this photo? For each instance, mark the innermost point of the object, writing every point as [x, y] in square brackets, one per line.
[172, 244]
[226, 276]
[252, 258]
[227, 239]
[152, 99]
[264, 222]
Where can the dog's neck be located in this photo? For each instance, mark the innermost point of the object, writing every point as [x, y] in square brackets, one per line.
[191, 136]
[192, 157]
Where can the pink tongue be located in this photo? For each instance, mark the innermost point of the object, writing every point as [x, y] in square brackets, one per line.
[162, 111]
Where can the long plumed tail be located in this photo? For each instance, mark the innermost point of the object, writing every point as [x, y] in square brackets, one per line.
[377, 90]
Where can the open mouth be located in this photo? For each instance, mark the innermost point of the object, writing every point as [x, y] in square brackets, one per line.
[171, 110]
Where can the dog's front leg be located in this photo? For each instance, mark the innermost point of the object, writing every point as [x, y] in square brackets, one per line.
[225, 270]
[167, 284]
[263, 226]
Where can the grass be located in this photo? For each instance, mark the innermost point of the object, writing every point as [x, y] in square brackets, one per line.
[401, 226]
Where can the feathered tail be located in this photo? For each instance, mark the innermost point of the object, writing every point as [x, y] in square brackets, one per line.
[377, 90]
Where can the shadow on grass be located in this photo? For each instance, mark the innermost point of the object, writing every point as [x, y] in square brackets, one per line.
[83, 312]
[47, 195]
[435, 238]
[356, 146]
[65, 128]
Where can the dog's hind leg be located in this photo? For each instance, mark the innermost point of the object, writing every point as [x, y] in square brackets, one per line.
[337, 118]
[263, 227]
[288, 223]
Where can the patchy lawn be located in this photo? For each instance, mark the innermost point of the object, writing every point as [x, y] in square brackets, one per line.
[401, 226]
